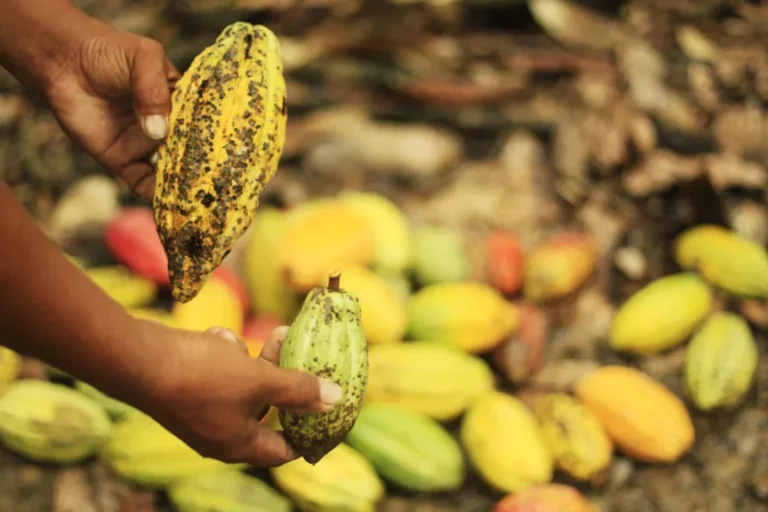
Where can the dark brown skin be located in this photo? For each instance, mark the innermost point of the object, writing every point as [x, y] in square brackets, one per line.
[102, 84]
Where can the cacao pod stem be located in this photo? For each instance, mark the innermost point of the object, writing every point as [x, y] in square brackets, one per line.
[334, 281]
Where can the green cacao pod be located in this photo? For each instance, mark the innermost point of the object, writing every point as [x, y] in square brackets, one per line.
[721, 362]
[344, 481]
[115, 408]
[225, 491]
[143, 452]
[409, 449]
[48, 422]
[432, 378]
[326, 339]
[440, 255]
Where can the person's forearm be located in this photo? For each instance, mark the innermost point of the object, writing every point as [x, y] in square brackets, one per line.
[50, 310]
[36, 36]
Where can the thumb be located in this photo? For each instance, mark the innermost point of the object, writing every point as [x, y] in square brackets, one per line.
[152, 95]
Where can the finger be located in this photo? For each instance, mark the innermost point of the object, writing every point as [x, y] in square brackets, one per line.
[270, 352]
[151, 92]
[140, 177]
[268, 448]
[297, 390]
[228, 336]
[132, 146]
[172, 75]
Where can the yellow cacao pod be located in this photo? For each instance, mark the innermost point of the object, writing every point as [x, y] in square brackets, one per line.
[641, 416]
[559, 266]
[227, 491]
[143, 452]
[158, 315]
[47, 422]
[431, 378]
[662, 314]
[10, 367]
[471, 316]
[721, 362]
[226, 136]
[383, 311]
[505, 443]
[126, 288]
[342, 480]
[727, 260]
[216, 305]
[321, 238]
[263, 277]
[575, 437]
[391, 230]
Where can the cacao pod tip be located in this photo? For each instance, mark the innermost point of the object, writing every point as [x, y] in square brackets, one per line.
[334, 280]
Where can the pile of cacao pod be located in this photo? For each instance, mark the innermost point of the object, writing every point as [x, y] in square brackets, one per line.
[450, 356]
[443, 348]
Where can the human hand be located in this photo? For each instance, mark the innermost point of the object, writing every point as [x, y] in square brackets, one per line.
[112, 95]
[214, 394]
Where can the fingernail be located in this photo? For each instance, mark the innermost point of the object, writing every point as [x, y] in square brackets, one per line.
[224, 333]
[279, 333]
[155, 126]
[330, 392]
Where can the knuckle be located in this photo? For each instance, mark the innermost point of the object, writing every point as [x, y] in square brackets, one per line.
[151, 48]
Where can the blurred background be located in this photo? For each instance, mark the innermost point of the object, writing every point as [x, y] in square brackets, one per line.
[553, 151]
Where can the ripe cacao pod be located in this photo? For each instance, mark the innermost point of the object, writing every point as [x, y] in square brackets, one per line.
[126, 288]
[505, 443]
[430, 378]
[506, 263]
[544, 498]
[143, 452]
[641, 416]
[386, 320]
[342, 480]
[320, 238]
[47, 422]
[409, 449]
[662, 314]
[327, 340]
[559, 266]
[260, 327]
[158, 315]
[392, 239]
[263, 276]
[721, 362]
[226, 136]
[520, 356]
[725, 259]
[216, 305]
[575, 436]
[132, 239]
[226, 491]
[231, 279]
[472, 316]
